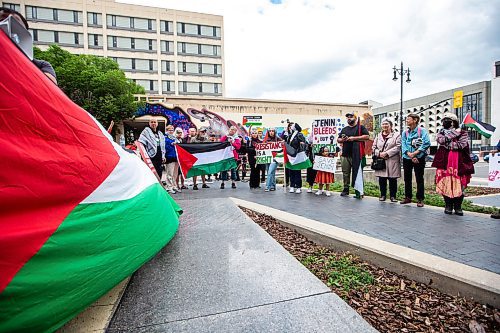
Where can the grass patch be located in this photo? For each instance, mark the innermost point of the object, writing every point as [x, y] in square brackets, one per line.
[344, 272]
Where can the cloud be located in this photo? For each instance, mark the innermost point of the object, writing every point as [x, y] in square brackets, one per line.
[344, 51]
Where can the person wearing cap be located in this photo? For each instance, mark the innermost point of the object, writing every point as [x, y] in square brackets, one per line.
[454, 167]
[351, 137]
[414, 144]
[387, 145]
[43, 65]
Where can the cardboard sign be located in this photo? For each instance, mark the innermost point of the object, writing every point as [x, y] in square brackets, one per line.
[494, 171]
[264, 151]
[328, 164]
[326, 131]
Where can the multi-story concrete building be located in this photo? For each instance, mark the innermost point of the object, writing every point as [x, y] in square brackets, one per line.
[476, 101]
[166, 51]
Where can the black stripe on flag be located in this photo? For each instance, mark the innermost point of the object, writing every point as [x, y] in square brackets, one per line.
[203, 147]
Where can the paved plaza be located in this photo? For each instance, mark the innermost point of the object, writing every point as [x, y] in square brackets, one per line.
[223, 273]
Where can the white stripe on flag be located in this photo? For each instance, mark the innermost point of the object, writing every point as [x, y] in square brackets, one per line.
[130, 177]
[299, 158]
[213, 156]
[358, 184]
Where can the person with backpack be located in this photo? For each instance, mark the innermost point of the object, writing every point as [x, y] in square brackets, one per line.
[414, 143]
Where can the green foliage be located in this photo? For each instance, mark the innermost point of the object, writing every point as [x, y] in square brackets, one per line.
[94, 83]
[342, 272]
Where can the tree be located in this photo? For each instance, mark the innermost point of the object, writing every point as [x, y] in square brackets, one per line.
[94, 83]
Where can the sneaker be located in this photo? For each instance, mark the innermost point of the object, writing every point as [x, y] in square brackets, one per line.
[291, 190]
[405, 201]
[173, 191]
[205, 186]
[309, 190]
[233, 185]
[272, 189]
[382, 198]
[178, 190]
[420, 203]
[319, 192]
[393, 199]
[266, 190]
[327, 193]
[195, 187]
[344, 194]
[222, 186]
[184, 187]
[298, 190]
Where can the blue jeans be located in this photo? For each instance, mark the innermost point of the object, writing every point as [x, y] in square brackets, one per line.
[271, 175]
[224, 175]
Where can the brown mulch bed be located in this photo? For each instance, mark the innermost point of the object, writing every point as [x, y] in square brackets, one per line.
[392, 303]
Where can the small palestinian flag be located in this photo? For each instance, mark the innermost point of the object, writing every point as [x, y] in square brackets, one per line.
[484, 129]
[78, 214]
[296, 159]
[197, 159]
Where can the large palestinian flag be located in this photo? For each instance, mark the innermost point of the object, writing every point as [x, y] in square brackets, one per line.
[78, 214]
[484, 129]
[296, 159]
[197, 159]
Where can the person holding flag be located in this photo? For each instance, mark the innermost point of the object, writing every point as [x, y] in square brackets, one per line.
[352, 138]
[295, 157]
[453, 164]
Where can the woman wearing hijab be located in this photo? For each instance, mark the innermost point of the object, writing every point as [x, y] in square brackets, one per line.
[254, 167]
[298, 142]
[453, 164]
[154, 142]
[271, 172]
[387, 145]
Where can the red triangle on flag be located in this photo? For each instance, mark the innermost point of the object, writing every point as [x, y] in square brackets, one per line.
[186, 160]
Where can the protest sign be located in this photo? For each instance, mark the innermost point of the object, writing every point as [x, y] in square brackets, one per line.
[494, 171]
[325, 133]
[322, 163]
[264, 151]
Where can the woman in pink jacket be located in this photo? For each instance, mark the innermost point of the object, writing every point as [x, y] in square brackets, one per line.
[387, 145]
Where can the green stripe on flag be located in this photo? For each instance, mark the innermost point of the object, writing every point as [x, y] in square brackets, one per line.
[95, 248]
[484, 132]
[300, 166]
[212, 168]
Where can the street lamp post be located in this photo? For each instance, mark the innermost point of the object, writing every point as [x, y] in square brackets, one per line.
[402, 72]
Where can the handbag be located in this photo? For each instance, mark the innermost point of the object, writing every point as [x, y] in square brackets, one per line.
[378, 163]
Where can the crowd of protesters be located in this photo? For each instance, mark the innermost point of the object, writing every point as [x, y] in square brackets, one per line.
[405, 151]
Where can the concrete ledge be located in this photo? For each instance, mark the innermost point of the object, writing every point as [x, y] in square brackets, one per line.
[445, 275]
[97, 317]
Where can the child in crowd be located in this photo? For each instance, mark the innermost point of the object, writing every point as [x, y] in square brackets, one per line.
[323, 177]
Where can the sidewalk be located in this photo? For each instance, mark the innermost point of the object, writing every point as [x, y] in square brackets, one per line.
[473, 239]
[223, 273]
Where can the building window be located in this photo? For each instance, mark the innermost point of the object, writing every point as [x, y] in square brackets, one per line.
[94, 19]
[12, 6]
[166, 26]
[472, 104]
[53, 15]
[198, 30]
[95, 40]
[148, 85]
[167, 66]
[167, 46]
[167, 86]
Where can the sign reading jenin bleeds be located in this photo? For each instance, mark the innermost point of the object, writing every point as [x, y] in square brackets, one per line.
[265, 152]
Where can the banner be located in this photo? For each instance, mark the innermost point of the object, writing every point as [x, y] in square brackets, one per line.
[494, 171]
[325, 133]
[328, 164]
[266, 151]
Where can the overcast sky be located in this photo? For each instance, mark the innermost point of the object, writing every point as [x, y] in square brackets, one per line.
[344, 51]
